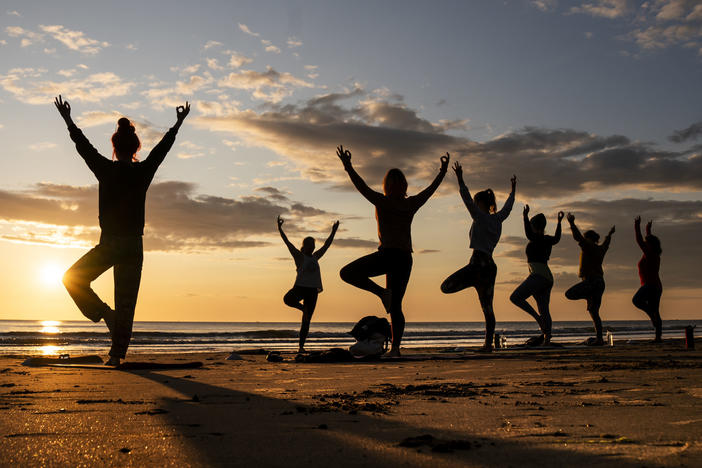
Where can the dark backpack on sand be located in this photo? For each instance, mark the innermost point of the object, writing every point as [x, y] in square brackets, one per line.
[368, 326]
[369, 329]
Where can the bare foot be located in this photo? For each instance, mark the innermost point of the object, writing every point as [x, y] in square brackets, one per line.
[113, 361]
[392, 353]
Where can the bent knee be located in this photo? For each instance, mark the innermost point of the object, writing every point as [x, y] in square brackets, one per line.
[346, 274]
[515, 298]
[71, 280]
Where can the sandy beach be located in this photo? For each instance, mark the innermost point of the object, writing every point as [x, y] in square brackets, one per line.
[630, 405]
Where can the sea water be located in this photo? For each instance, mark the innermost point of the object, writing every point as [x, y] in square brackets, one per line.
[74, 337]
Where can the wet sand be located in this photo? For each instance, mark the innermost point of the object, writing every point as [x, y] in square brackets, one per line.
[630, 405]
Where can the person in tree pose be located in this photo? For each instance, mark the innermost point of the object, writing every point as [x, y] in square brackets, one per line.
[592, 285]
[540, 280]
[308, 282]
[122, 186]
[648, 297]
[394, 212]
[484, 234]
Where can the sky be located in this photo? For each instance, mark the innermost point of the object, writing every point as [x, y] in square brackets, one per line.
[595, 105]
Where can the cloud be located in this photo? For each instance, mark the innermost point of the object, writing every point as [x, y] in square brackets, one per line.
[604, 8]
[652, 25]
[74, 40]
[210, 44]
[236, 59]
[550, 163]
[93, 88]
[27, 37]
[178, 218]
[294, 42]
[545, 5]
[356, 243]
[14, 13]
[174, 95]
[42, 146]
[690, 133]
[248, 31]
[273, 193]
[273, 49]
[213, 64]
[270, 86]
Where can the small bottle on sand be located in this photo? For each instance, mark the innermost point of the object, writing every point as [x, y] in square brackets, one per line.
[610, 338]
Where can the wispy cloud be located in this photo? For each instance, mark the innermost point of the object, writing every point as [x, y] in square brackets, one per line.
[210, 44]
[236, 59]
[270, 86]
[294, 42]
[21, 83]
[42, 146]
[652, 25]
[245, 29]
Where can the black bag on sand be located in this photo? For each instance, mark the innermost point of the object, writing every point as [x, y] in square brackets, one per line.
[370, 325]
[372, 336]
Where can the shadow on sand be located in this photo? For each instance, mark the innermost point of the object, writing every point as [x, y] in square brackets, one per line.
[222, 426]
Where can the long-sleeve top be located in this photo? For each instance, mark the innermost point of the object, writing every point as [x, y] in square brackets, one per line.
[394, 215]
[650, 262]
[486, 229]
[122, 185]
[591, 254]
[538, 250]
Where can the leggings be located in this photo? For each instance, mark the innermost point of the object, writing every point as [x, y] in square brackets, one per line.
[590, 289]
[305, 299]
[396, 265]
[480, 273]
[125, 255]
[539, 287]
[648, 299]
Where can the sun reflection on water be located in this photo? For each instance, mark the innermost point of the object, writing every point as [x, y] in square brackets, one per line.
[50, 350]
[50, 326]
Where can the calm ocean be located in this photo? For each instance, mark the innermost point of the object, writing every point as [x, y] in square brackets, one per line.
[73, 337]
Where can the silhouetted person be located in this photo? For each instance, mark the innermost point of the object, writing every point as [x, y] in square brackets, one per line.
[394, 211]
[308, 282]
[485, 232]
[540, 280]
[122, 186]
[592, 285]
[648, 297]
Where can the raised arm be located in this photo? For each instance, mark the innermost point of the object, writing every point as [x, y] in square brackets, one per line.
[159, 152]
[574, 229]
[327, 243]
[465, 193]
[557, 235]
[95, 161]
[422, 197]
[507, 207]
[528, 231]
[370, 194]
[293, 250]
[637, 233]
[607, 239]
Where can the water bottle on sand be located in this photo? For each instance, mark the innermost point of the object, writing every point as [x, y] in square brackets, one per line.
[610, 338]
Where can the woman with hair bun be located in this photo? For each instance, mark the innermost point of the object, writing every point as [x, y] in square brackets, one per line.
[485, 232]
[122, 186]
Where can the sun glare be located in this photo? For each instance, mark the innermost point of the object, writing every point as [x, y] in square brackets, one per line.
[49, 350]
[50, 326]
[51, 275]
